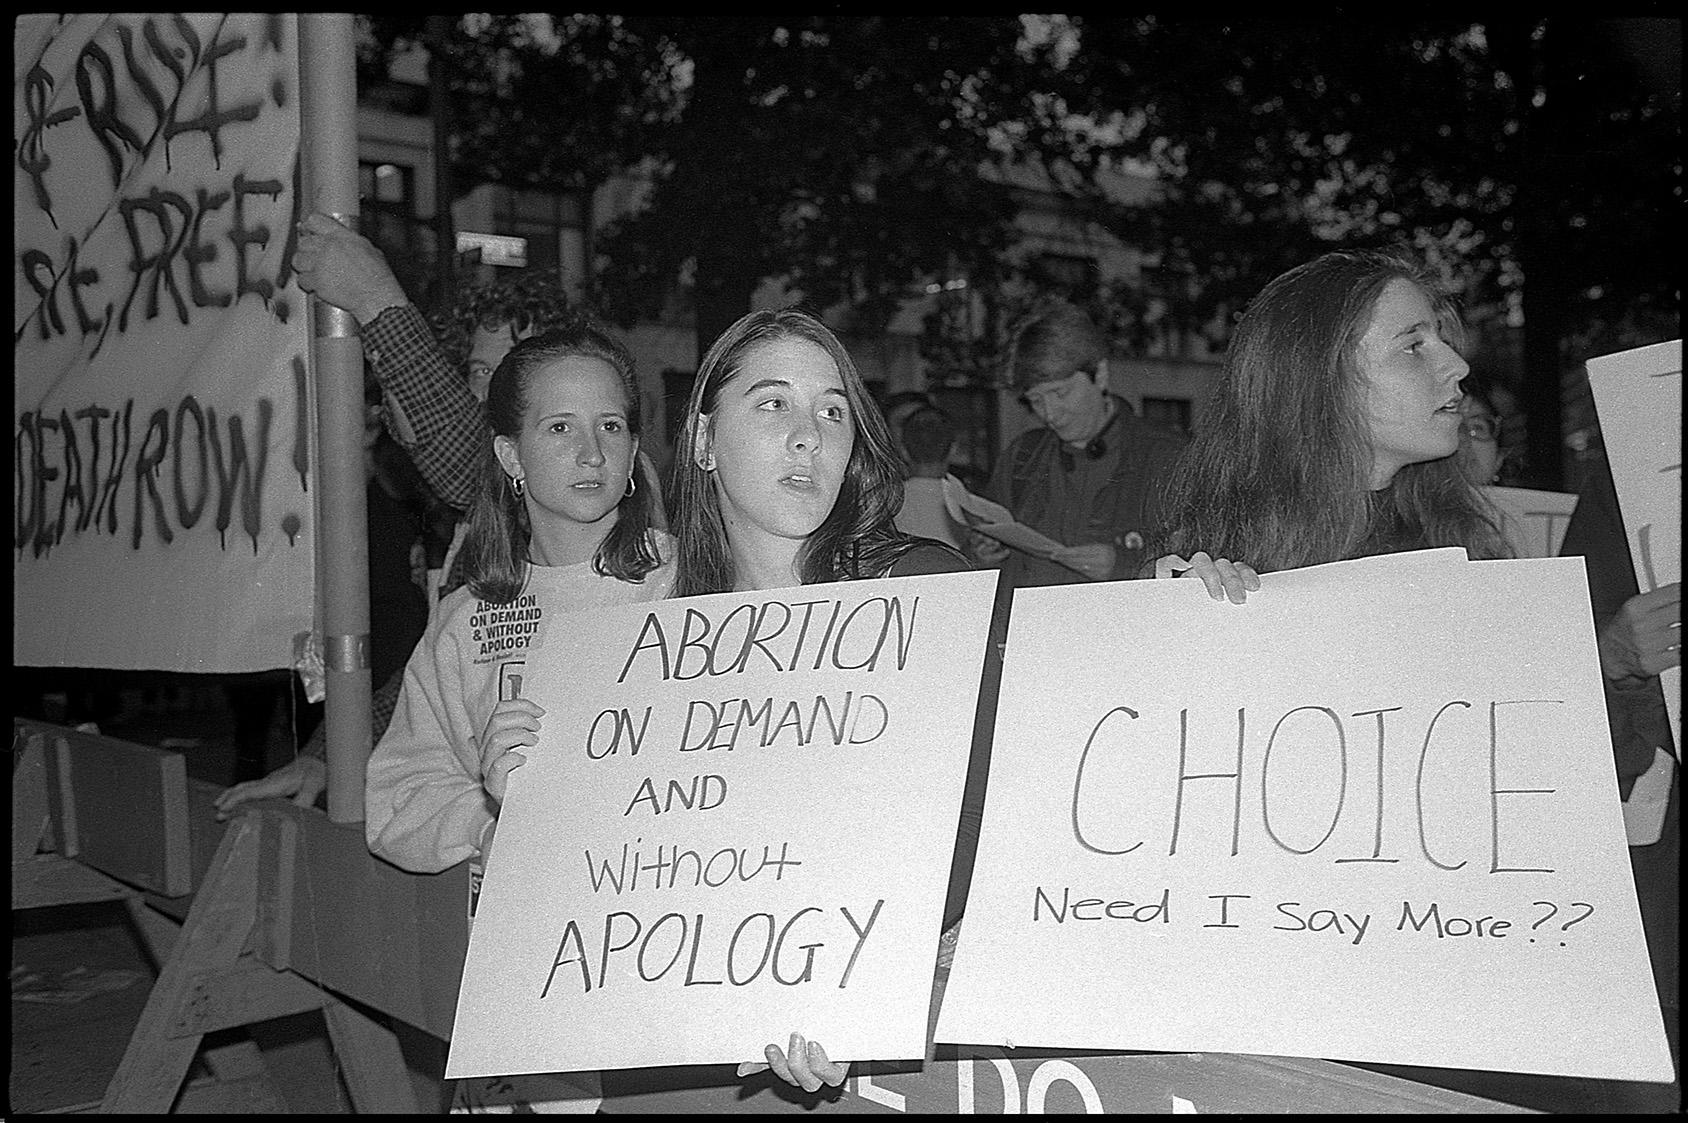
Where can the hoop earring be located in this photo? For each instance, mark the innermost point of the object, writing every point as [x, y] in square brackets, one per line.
[633, 481]
[516, 485]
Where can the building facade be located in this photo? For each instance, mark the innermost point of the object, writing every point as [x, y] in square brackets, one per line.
[497, 228]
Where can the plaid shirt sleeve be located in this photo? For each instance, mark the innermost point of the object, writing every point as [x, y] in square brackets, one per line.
[441, 426]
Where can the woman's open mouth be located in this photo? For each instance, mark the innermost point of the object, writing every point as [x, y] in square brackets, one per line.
[799, 481]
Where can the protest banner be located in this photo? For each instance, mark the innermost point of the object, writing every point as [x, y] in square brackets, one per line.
[738, 823]
[1638, 397]
[161, 434]
[1369, 815]
[1532, 520]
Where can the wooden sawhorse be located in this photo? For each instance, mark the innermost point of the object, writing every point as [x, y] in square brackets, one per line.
[288, 913]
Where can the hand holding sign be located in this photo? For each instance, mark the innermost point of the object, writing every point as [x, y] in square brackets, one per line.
[514, 722]
[1638, 394]
[806, 1065]
[1223, 577]
[1645, 637]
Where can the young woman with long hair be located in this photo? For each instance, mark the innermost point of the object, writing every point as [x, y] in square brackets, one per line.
[559, 524]
[1331, 432]
[786, 474]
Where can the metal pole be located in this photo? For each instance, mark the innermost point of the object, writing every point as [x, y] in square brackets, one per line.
[328, 143]
[439, 108]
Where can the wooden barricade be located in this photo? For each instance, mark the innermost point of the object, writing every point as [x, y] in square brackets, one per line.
[275, 913]
[280, 911]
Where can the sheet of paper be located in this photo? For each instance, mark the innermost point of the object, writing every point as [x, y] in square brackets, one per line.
[1369, 815]
[1532, 520]
[738, 823]
[990, 518]
[1638, 395]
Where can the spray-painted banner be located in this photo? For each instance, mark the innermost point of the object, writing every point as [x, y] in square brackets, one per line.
[161, 469]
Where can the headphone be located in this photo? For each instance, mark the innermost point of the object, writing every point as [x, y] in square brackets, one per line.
[1095, 450]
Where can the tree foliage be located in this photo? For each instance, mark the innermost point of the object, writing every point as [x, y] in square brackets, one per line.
[1536, 158]
[1276, 139]
[841, 154]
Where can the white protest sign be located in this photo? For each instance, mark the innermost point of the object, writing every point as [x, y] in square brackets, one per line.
[1369, 815]
[1638, 395]
[160, 400]
[738, 824]
[1533, 521]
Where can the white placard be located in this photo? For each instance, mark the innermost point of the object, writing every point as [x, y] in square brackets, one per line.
[1369, 815]
[738, 824]
[1533, 521]
[1638, 395]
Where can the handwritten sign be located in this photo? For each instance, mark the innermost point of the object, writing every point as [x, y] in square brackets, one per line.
[738, 824]
[1532, 520]
[1370, 815]
[1638, 395]
[160, 401]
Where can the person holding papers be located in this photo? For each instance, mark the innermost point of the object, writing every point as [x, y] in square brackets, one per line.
[786, 475]
[559, 525]
[928, 437]
[1332, 432]
[1090, 476]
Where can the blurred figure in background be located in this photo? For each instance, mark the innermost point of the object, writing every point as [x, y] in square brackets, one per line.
[1091, 475]
[928, 439]
[898, 408]
[1481, 456]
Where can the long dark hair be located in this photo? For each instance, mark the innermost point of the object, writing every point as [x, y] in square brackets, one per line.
[858, 538]
[1277, 473]
[495, 550]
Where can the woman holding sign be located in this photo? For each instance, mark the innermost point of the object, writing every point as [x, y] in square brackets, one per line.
[786, 475]
[1332, 433]
[785, 472]
[559, 525]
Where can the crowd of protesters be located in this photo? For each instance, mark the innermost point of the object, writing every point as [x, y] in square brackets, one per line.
[1345, 423]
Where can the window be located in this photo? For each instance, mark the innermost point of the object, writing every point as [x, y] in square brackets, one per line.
[387, 187]
[1172, 412]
